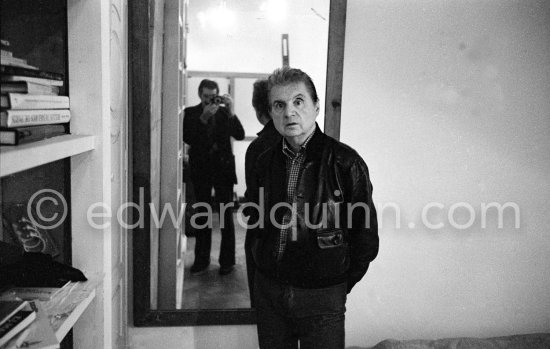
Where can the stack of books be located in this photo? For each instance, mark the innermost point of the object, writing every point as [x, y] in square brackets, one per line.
[31, 107]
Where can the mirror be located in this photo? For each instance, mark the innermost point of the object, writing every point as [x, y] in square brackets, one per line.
[233, 43]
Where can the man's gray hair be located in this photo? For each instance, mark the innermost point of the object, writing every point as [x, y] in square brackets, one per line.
[286, 75]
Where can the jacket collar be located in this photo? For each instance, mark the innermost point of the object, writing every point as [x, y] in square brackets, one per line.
[268, 128]
[315, 146]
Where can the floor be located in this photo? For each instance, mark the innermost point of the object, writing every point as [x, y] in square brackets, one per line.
[211, 290]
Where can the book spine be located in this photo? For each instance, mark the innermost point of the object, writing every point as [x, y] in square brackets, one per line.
[28, 101]
[22, 65]
[15, 118]
[28, 87]
[6, 53]
[24, 135]
[8, 137]
[9, 308]
[36, 80]
[15, 324]
[10, 70]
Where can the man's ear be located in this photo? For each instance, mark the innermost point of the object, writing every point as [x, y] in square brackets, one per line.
[317, 107]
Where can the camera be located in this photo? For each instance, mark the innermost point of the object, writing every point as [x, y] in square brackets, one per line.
[216, 100]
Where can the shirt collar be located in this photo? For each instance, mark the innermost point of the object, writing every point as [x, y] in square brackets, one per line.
[288, 151]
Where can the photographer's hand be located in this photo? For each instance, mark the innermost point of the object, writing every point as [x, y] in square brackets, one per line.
[208, 111]
[228, 101]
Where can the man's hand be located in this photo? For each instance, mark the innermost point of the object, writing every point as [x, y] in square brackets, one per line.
[228, 101]
[208, 111]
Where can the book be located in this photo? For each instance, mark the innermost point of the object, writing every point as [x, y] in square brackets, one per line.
[41, 334]
[6, 53]
[16, 118]
[28, 87]
[34, 79]
[11, 70]
[16, 323]
[17, 62]
[29, 134]
[9, 308]
[27, 101]
[17, 340]
[35, 293]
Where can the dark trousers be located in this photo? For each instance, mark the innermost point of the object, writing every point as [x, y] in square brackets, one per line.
[287, 314]
[203, 244]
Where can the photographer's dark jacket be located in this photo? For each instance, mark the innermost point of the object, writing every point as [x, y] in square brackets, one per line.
[211, 158]
[334, 176]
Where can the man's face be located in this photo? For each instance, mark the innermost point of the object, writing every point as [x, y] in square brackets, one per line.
[293, 111]
[207, 94]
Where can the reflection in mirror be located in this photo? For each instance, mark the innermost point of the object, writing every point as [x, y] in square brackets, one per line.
[234, 43]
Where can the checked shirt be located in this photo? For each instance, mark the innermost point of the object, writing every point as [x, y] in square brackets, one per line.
[294, 167]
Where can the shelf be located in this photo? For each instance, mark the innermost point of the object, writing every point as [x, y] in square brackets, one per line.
[63, 323]
[68, 305]
[23, 157]
[63, 310]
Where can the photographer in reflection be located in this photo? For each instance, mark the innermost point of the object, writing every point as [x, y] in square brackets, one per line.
[207, 129]
[311, 250]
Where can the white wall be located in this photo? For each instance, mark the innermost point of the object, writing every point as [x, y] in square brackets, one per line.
[447, 102]
[452, 99]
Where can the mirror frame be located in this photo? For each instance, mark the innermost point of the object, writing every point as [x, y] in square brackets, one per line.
[141, 23]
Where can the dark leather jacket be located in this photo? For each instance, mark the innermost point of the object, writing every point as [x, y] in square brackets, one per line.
[334, 177]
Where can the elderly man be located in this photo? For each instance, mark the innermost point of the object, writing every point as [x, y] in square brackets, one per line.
[317, 232]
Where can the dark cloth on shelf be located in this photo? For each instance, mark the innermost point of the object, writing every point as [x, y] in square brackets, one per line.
[39, 270]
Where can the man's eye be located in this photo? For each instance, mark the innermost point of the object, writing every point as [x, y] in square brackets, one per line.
[278, 106]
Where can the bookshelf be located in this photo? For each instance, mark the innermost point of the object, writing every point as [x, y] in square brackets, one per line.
[67, 324]
[93, 57]
[67, 306]
[64, 308]
[27, 156]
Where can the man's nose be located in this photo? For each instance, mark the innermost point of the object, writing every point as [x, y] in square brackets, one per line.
[290, 110]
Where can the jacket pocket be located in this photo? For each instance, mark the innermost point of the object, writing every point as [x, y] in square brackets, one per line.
[330, 238]
[330, 257]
